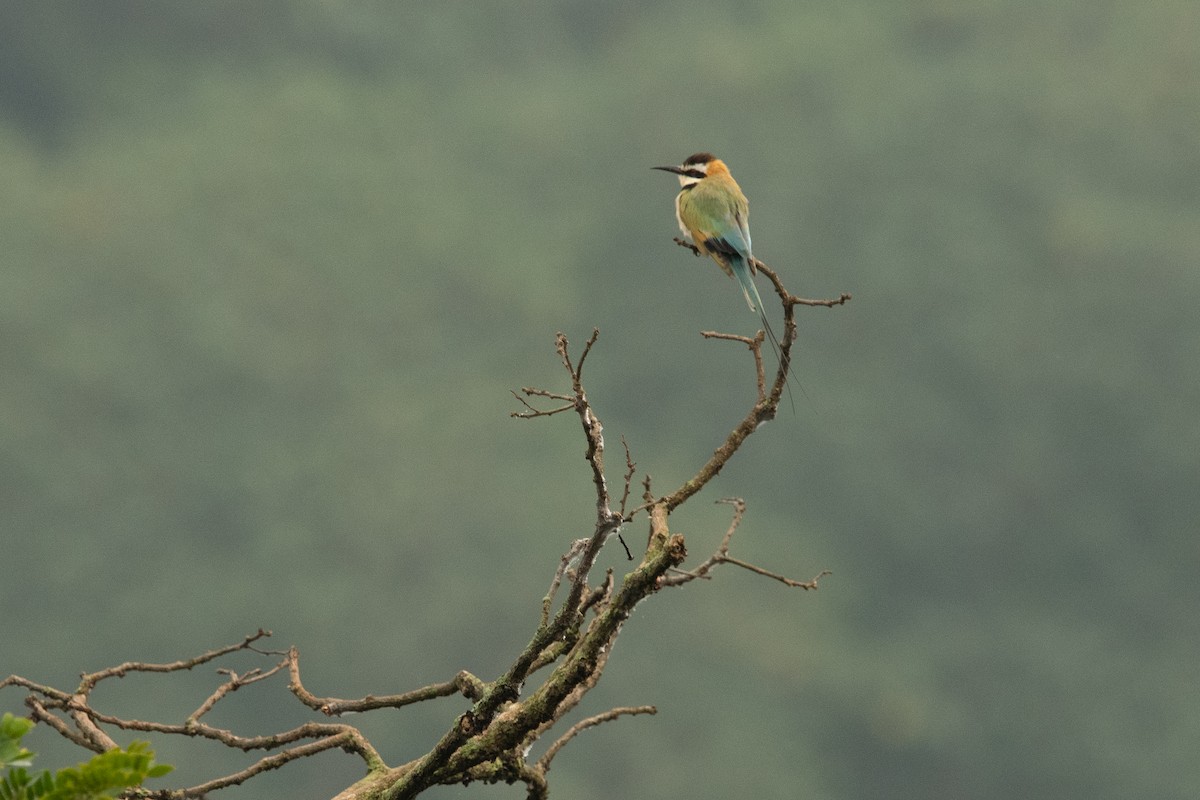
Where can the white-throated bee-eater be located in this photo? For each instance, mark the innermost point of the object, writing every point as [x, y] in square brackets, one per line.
[715, 215]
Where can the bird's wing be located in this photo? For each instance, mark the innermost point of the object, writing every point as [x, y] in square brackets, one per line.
[737, 233]
[716, 215]
[741, 217]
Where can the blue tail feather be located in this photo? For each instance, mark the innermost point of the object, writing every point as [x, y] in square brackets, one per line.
[741, 271]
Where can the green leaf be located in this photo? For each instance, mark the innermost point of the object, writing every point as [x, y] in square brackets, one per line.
[17, 784]
[101, 778]
[14, 727]
[12, 754]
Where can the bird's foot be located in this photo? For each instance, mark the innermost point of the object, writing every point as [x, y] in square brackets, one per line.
[685, 243]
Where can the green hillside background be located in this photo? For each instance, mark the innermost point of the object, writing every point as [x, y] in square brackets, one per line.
[270, 270]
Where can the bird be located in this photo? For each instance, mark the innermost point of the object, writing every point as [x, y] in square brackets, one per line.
[714, 214]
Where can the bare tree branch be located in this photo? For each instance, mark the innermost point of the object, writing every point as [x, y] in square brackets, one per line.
[808, 584]
[543, 763]
[573, 639]
[721, 556]
[89, 680]
[463, 683]
[755, 345]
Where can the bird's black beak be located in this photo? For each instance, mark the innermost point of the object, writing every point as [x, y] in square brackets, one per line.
[676, 170]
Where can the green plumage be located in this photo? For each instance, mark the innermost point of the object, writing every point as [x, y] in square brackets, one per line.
[715, 215]
[713, 212]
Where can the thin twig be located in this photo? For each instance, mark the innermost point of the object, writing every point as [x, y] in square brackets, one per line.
[587, 348]
[630, 469]
[89, 680]
[790, 299]
[755, 345]
[40, 713]
[569, 557]
[721, 556]
[808, 585]
[45, 691]
[349, 740]
[234, 683]
[536, 412]
[463, 683]
[584, 724]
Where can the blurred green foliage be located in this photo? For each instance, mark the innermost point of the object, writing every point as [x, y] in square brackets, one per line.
[270, 271]
[102, 777]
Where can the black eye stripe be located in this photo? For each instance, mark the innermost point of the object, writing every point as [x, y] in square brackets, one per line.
[694, 173]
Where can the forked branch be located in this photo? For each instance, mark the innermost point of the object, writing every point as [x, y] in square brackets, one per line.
[572, 639]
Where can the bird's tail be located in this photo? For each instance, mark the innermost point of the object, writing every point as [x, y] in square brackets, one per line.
[745, 277]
